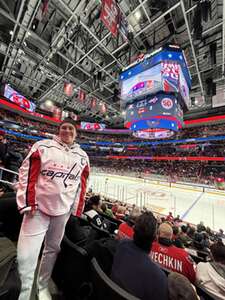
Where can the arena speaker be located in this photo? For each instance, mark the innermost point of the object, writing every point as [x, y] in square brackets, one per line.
[213, 49]
[210, 87]
[160, 4]
[115, 95]
[192, 101]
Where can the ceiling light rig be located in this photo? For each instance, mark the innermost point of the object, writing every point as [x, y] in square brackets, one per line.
[203, 12]
[137, 15]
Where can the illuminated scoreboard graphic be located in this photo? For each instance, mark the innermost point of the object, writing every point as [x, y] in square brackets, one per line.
[155, 91]
[152, 134]
[159, 111]
[19, 99]
[92, 126]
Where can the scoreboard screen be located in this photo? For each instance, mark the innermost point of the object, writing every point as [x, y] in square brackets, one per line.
[19, 99]
[92, 126]
[158, 111]
[166, 71]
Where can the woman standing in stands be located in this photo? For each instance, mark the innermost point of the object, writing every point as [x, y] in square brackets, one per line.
[52, 185]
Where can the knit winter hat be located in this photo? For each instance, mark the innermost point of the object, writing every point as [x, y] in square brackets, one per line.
[70, 121]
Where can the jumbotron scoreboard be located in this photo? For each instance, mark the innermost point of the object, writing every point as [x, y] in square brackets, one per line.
[155, 92]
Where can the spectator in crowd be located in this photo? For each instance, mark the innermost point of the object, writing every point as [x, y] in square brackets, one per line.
[191, 233]
[201, 227]
[120, 214]
[13, 161]
[10, 219]
[92, 210]
[126, 229]
[170, 257]
[3, 150]
[9, 277]
[211, 275]
[108, 212]
[177, 219]
[133, 270]
[115, 207]
[183, 236]
[176, 240]
[199, 243]
[205, 241]
[169, 218]
[180, 288]
[93, 203]
[221, 234]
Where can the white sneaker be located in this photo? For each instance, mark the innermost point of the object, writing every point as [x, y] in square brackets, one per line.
[44, 294]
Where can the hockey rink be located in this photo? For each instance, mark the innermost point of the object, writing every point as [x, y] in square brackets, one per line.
[192, 205]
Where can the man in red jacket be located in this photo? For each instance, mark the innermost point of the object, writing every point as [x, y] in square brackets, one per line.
[170, 257]
[126, 229]
[170, 217]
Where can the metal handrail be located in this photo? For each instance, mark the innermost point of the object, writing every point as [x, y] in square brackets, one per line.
[7, 170]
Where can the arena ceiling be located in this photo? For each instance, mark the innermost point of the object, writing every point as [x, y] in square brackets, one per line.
[41, 47]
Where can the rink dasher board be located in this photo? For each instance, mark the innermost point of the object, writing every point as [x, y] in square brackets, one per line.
[183, 186]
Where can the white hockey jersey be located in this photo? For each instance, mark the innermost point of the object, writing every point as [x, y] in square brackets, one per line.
[53, 178]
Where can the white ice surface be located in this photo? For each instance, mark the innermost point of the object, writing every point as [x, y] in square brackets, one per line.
[193, 206]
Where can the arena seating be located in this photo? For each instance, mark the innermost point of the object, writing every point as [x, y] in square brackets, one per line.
[104, 287]
[98, 233]
[71, 271]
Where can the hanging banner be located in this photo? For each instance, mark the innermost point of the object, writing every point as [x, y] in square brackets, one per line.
[81, 95]
[93, 102]
[110, 16]
[68, 89]
[103, 107]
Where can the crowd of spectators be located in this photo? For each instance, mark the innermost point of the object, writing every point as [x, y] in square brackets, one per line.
[184, 252]
[41, 127]
[193, 172]
[215, 149]
[185, 133]
[24, 125]
[197, 172]
[195, 252]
